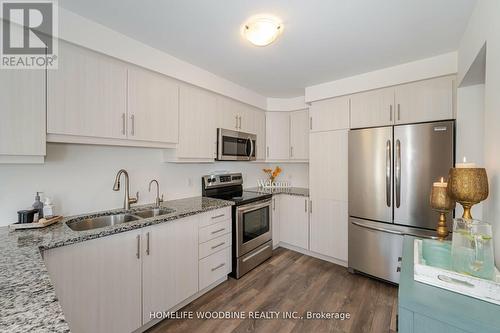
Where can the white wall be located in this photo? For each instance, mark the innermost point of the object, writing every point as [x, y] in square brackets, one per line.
[484, 27]
[470, 129]
[441, 65]
[80, 178]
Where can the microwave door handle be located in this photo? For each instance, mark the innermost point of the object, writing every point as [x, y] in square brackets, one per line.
[251, 148]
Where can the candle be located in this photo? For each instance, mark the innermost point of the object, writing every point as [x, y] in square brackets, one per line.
[465, 165]
[441, 183]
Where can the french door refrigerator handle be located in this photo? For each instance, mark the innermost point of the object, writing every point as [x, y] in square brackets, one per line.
[395, 232]
[398, 173]
[388, 167]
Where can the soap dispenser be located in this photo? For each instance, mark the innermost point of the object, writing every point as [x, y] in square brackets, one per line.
[38, 205]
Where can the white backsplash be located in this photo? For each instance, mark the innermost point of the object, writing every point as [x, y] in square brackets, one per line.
[79, 178]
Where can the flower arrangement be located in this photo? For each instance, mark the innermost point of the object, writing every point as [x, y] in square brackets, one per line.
[273, 174]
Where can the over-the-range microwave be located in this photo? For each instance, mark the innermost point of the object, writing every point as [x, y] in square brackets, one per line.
[235, 146]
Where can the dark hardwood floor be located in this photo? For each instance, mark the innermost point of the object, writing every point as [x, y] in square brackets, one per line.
[290, 281]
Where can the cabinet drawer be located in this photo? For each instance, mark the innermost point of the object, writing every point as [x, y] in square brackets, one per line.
[214, 230]
[214, 245]
[214, 267]
[215, 216]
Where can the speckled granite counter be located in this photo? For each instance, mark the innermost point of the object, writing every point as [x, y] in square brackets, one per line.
[28, 301]
[299, 191]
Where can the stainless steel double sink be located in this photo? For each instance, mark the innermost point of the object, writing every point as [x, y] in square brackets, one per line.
[115, 219]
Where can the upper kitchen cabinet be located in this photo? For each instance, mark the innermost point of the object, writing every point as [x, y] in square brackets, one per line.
[277, 136]
[153, 106]
[22, 105]
[260, 131]
[299, 135]
[372, 108]
[87, 96]
[234, 115]
[197, 126]
[427, 100]
[330, 114]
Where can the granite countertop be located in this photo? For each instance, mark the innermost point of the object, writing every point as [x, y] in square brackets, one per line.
[299, 191]
[27, 296]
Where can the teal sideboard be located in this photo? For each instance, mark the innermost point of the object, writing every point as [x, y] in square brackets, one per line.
[427, 309]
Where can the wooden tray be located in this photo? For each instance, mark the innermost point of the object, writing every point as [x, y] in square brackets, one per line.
[472, 286]
[40, 224]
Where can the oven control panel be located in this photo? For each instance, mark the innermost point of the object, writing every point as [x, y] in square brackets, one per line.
[222, 180]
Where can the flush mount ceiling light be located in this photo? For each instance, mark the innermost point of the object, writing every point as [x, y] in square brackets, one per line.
[262, 30]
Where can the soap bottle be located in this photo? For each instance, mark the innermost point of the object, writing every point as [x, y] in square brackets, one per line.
[48, 208]
[38, 205]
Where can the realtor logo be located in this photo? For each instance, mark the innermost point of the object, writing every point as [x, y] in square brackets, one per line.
[29, 34]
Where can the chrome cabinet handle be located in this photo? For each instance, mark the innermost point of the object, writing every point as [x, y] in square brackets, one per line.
[123, 123]
[399, 111]
[138, 253]
[216, 246]
[388, 167]
[217, 267]
[305, 205]
[217, 216]
[147, 244]
[390, 113]
[132, 130]
[310, 123]
[240, 122]
[310, 206]
[217, 231]
[236, 125]
[398, 173]
[274, 204]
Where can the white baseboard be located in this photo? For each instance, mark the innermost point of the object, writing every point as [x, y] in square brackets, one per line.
[312, 254]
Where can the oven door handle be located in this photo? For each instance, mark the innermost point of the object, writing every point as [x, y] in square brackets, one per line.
[253, 206]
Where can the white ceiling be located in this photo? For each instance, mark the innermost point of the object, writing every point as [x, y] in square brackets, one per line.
[323, 40]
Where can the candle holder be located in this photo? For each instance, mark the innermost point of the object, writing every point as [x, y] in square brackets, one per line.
[468, 186]
[441, 203]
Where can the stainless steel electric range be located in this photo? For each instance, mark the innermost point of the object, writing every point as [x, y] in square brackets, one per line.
[252, 225]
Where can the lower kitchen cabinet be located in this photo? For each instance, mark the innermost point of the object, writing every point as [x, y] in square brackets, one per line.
[112, 284]
[169, 264]
[294, 221]
[275, 220]
[98, 283]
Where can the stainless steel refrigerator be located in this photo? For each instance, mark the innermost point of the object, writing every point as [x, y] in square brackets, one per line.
[391, 171]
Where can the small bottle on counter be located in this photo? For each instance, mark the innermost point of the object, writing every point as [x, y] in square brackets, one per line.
[38, 205]
[48, 208]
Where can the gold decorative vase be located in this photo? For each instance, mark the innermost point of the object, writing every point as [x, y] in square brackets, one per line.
[468, 186]
[442, 203]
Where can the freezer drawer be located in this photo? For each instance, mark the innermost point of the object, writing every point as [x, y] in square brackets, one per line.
[375, 250]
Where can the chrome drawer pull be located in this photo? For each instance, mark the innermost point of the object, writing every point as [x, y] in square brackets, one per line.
[217, 216]
[217, 231]
[220, 266]
[216, 246]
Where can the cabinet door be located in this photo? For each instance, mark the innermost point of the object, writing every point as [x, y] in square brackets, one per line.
[153, 107]
[372, 108]
[170, 264]
[278, 135]
[22, 105]
[328, 173]
[428, 100]
[260, 131]
[197, 124]
[98, 283]
[330, 114]
[294, 220]
[87, 94]
[227, 113]
[276, 219]
[299, 135]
